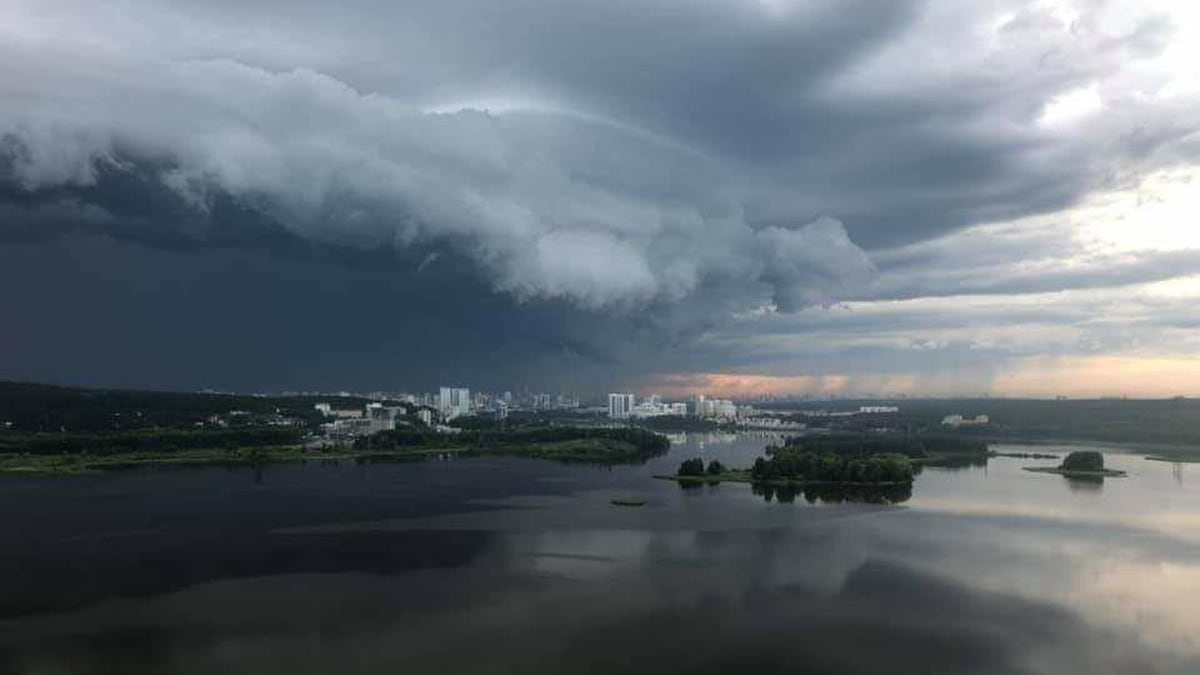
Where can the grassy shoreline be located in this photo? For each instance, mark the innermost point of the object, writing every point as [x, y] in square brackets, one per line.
[83, 464]
[1188, 459]
[1102, 473]
[599, 451]
[745, 477]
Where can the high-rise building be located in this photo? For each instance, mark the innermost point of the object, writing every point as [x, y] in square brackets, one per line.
[715, 407]
[620, 406]
[724, 408]
[454, 402]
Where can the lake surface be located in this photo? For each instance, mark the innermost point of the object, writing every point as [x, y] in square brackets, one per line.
[492, 565]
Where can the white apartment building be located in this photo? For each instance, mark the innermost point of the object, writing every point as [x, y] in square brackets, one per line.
[715, 407]
[620, 406]
[454, 402]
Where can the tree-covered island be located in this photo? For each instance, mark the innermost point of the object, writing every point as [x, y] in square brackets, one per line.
[794, 467]
[1080, 464]
[872, 468]
[791, 472]
[843, 458]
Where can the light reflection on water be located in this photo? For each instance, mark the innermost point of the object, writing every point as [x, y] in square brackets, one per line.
[454, 565]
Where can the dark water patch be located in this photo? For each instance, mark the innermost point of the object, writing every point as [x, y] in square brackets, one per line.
[496, 565]
[884, 618]
[833, 493]
[89, 571]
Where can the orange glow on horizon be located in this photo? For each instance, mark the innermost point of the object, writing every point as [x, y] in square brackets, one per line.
[1041, 377]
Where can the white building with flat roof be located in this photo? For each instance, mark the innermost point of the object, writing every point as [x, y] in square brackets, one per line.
[878, 409]
[960, 421]
[654, 407]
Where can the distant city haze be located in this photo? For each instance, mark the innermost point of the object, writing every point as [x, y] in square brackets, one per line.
[1084, 377]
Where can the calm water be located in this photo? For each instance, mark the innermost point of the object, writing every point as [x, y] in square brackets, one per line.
[507, 565]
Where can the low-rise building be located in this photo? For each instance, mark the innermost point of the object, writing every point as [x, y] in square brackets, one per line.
[959, 420]
[347, 429]
[382, 418]
[878, 409]
[770, 423]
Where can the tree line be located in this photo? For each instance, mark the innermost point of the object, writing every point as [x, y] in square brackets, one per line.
[912, 446]
[33, 408]
[168, 440]
[523, 440]
[695, 467]
[791, 464]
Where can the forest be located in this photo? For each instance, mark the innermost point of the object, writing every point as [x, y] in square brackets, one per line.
[566, 443]
[40, 408]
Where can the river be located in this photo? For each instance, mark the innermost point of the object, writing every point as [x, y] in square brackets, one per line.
[496, 565]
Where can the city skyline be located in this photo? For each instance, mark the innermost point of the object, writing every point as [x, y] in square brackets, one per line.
[534, 398]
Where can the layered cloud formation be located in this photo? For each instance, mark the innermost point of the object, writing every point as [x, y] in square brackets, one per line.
[614, 188]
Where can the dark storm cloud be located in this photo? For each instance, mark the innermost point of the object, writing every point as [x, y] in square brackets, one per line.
[241, 318]
[171, 298]
[581, 175]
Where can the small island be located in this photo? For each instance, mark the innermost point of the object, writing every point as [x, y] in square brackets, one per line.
[795, 465]
[790, 472]
[843, 459]
[1080, 464]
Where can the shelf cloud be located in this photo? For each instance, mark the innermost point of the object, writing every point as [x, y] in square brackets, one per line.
[626, 185]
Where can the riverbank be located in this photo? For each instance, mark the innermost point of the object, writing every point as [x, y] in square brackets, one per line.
[586, 450]
[84, 463]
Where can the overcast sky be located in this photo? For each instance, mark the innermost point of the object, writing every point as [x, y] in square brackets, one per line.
[735, 196]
